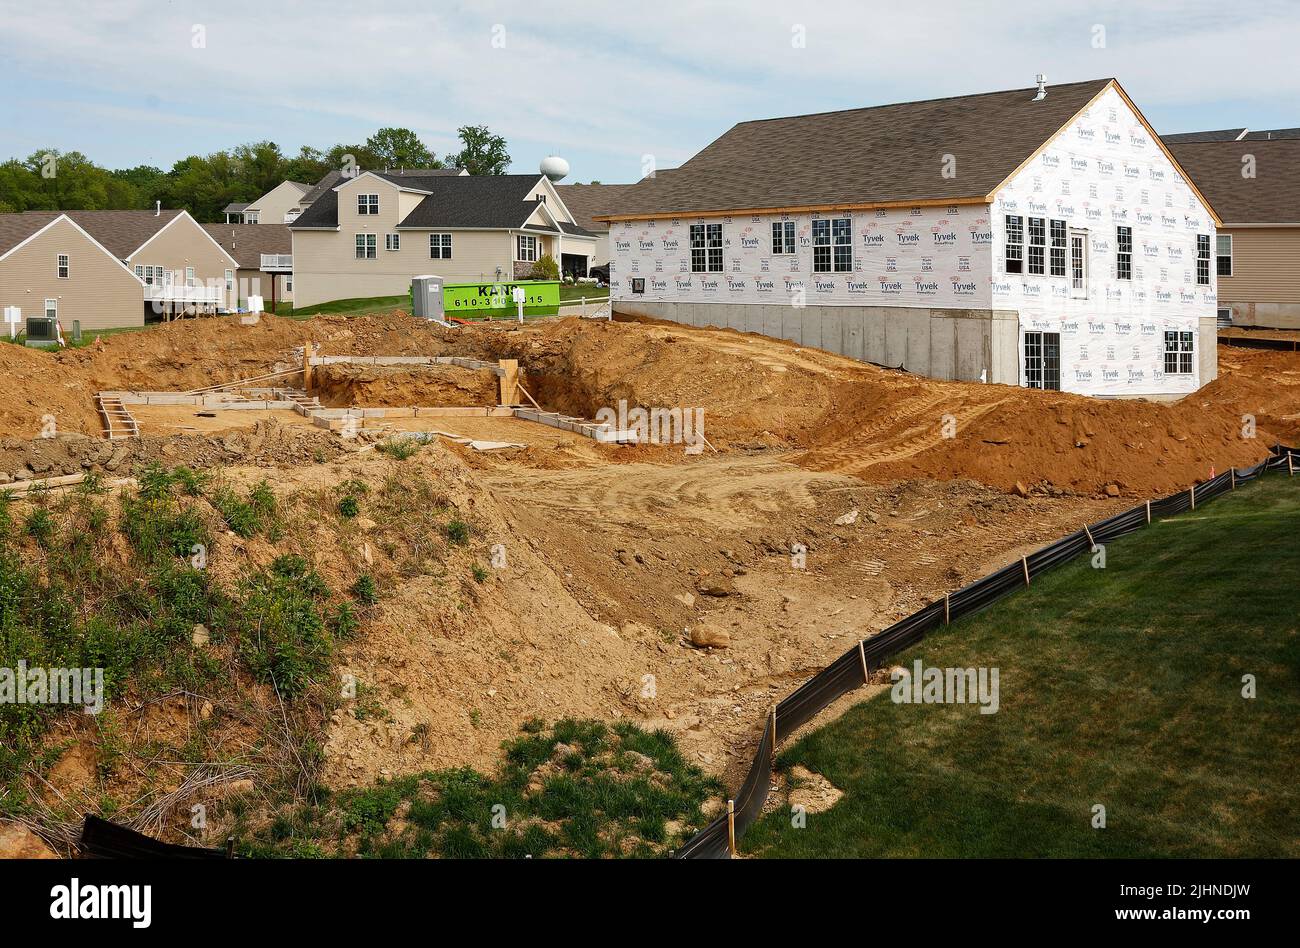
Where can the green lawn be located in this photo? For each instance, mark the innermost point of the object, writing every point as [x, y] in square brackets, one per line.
[1120, 687]
[383, 304]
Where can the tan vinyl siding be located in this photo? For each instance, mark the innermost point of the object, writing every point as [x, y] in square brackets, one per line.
[1265, 266]
[271, 207]
[185, 244]
[325, 266]
[98, 291]
[256, 282]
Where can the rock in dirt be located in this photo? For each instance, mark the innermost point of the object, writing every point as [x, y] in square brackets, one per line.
[18, 842]
[1021, 489]
[848, 519]
[200, 636]
[710, 636]
[1112, 490]
[717, 586]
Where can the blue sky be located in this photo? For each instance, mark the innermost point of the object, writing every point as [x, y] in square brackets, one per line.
[603, 84]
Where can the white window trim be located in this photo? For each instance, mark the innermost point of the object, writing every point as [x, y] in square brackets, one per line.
[51, 304]
[1232, 262]
[392, 242]
[1041, 244]
[63, 266]
[833, 242]
[787, 231]
[367, 207]
[443, 245]
[368, 246]
[534, 244]
[189, 276]
[1122, 253]
[1208, 259]
[1076, 292]
[1008, 243]
[706, 246]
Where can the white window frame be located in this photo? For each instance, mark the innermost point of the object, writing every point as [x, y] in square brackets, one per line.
[288, 282]
[230, 280]
[365, 246]
[1014, 248]
[532, 244]
[392, 241]
[1219, 255]
[51, 310]
[189, 276]
[1037, 233]
[1180, 352]
[440, 246]
[250, 217]
[367, 204]
[1123, 256]
[1058, 242]
[706, 247]
[1079, 282]
[832, 245]
[782, 238]
[62, 266]
[1203, 257]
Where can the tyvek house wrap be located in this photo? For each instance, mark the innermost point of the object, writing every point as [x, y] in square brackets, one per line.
[1102, 171]
[1105, 171]
[923, 256]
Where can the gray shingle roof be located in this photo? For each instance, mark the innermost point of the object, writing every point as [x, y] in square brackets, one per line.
[234, 208]
[1231, 135]
[121, 232]
[584, 201]
[873, 155]
[247, 242]
[332, 179]
[454, 200]
[1271, 197]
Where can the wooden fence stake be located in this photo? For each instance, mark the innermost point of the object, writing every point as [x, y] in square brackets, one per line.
[1091, 541]
[1148, 512]
[862, 654]
[947, 609]
[1290, 469]
[1233, 472]
[1024, 561]
[306, 367]
[731, 826]
[1192, 493]
[774, 737]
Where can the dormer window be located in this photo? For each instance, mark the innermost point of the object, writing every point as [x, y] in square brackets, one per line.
[367, 203]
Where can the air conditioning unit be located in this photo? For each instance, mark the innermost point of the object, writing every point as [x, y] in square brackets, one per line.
[42, 331]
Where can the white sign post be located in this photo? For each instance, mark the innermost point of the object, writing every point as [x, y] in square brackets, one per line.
[13, 316]
[520, 294]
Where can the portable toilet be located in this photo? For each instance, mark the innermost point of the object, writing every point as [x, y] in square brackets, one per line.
[426, 297]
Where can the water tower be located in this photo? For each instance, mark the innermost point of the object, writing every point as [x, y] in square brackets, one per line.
[554, 167]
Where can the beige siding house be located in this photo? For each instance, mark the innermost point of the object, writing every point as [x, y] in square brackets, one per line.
[1253, 181]
[265, 256]
[278, 206]
[369, 235]
[173, 264]
[50, 266]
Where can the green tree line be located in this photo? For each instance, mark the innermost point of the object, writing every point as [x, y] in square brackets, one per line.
[50, 180]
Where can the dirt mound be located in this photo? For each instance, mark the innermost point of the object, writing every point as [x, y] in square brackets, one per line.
[382, 385]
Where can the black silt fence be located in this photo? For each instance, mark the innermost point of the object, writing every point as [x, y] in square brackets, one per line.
[853, 669]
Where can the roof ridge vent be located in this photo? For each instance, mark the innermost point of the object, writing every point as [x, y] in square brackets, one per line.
[1041, 79]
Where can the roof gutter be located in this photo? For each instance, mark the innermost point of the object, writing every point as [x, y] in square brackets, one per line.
[794, 209]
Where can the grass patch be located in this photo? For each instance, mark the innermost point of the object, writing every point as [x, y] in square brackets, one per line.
[1119, 686]
[581, 788]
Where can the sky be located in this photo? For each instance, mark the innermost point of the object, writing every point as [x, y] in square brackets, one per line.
[613, 87]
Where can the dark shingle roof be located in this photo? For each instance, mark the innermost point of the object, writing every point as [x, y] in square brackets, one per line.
[247, 242]
[864, 156]
[1231, 135]
[1271, 197]
[120, 232]
[487, 201]
[584, 201]
[332, 179]
[234, 208]
[15, 228]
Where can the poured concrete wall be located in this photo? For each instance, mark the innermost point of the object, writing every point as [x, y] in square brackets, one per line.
[955, 344]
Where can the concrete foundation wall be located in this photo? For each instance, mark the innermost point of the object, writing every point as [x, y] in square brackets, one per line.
[1264, 315]
[955, 344]
[1207, 347]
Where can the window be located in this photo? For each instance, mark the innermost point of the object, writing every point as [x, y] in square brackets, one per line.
[706, 248]
[1037, 245]
[527, 248]
[139, 271]
[1223, 253]
[250, 217]
[1058, 248]
[365, 246]
[440, 246]
[51, 309]
[1202, 259]
[230, 280]
[392, 242]
[1015, 256]
[288, 282]
[782, 237]
[189, 276]
[1123, 253]
[832, 245]
[367, 203]
[1178, 352]
[61, 262]
[1079, 264]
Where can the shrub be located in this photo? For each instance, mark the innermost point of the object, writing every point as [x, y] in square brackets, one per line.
[365, 589]
[40, 526]
[399, 448]
[457, 531]
[545, 268]
[349, 506]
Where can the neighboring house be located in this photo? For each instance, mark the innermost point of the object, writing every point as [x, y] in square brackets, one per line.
[1042, 238]
[332, 179]
[265, 256]
[280, 205]
[1253, 181]
[368, 235]
[585, 201]
[70, 264]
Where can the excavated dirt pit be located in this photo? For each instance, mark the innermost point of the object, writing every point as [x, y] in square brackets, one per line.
[614, 555]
